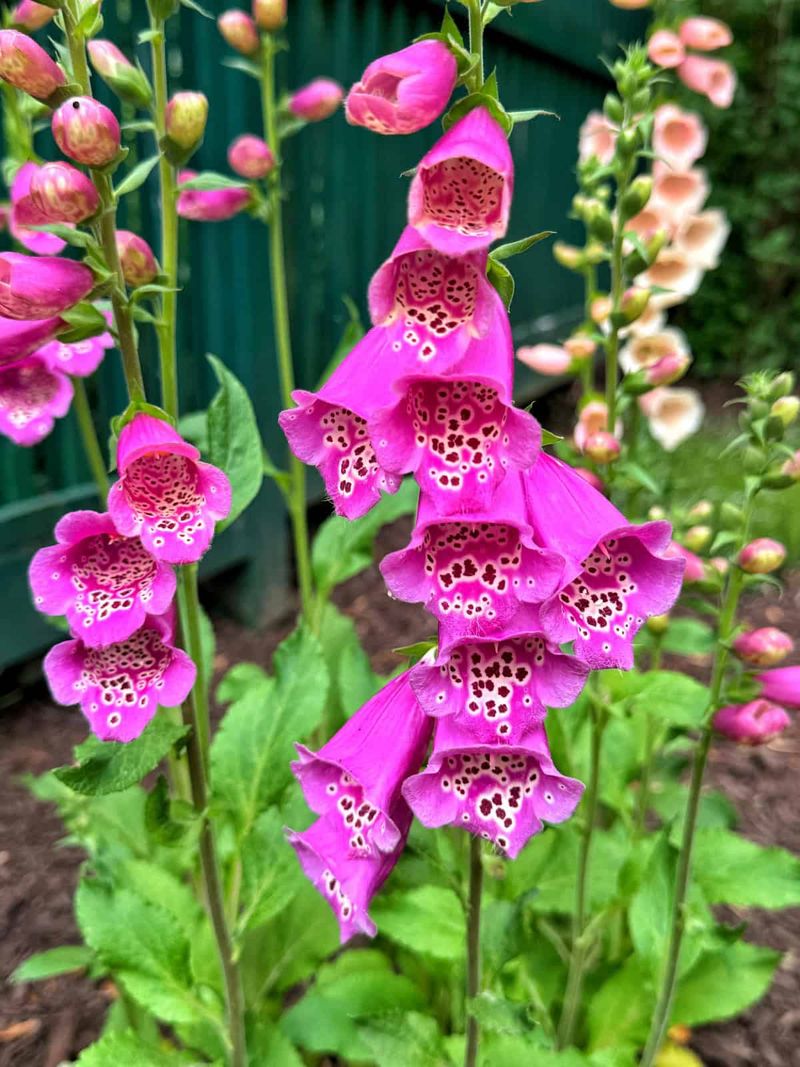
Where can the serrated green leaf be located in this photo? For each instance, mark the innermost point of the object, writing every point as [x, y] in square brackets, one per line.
[621, 1009]
[401, 1039]
[649, 913]
[724, 983]
[270, 872]
[118, 1048]
[234, 443]
[136, 177]
[428, 920]
[239, 679]
[55, 961]
[735, 871]
[267, 1045]
[514, 248]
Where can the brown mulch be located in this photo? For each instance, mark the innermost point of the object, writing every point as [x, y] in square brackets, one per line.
[43, 1024]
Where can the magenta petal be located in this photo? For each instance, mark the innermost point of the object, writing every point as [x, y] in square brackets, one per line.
[78, 359]
[39, 287]
[144, 435]
[32, 397]
[504, 794]
[356, 777]
[782, 685]
[19, 338]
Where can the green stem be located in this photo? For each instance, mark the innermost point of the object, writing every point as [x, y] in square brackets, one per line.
[280, 313]
[169, 228]
[578, 957]
[612, 342]
[91, 444]
[473, 948]
[669, 981]
[476, 38]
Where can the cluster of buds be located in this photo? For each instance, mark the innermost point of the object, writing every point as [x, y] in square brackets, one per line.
[771, 409]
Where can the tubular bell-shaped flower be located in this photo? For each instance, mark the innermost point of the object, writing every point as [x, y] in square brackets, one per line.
[356, 777]
[781, 685]
[504, 793]
[26, 213]
[105, 584]
[405, 91]
[25, 65]
[473, 571]
[79, 359]
[165, 494]
[460, 196]
[121, 686]
[615, 575]
[702, 237]
[498, 688]
[38, 287]
[210, 205]
[32, 397]
[20, 337]
[679, 137]
[755, 723]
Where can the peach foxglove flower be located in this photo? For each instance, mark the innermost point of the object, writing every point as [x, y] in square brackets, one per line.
[712, 77]
[678, 193]
[679, 137]
[648, 350]
[597, 137]
[705, 34]
[673, 415]
[702, 237]
[666, 49]
[550, 360]
[674, 272]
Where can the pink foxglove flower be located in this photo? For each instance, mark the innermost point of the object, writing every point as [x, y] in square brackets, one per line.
[765, 647]
[165, 494]
[210, 205]
[120, 687]
[781, 685]
[39, 287]
[677, 193]
[460, 195]
[712, 77]
[20, 337]
[79, 359]
[502, 793]
[615, 576]
[550, 360]
[25, 213]
[694, 570]
[755, 723]
[250, 157]
[673, 415]
[32, 397]
[459, 433]
[347, 880]
[25, 65]
[705, 34]
[405, 91]
[30, 16]
[316, 101]
[86, 131]
[497, 689]
[473, 571]
[105, 584]
[62, 193]
[356, 777]
[702, 237]
[666, 49]
[679, 137]
[597, 138]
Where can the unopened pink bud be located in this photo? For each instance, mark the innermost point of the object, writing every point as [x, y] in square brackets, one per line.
[694, 570]
[602, 447]
[601, 308]
[25, 65]
[720, 565]
[269, 14]
[86, 131]
[62, 193]
[239, 31]
[762, 556]
[213, 205]
[705, 34]
[317, 100]
[250, 157]
[550, 360]
[781, 685]
[792, 467]
[185, 119]
[38, 287]
[665, 49]
[30, 16]
[670, 368]
[580, 347]
[114, 67]
[591, 478]
[751, 724]
[136, 258]
[765, 647]
[703, 509]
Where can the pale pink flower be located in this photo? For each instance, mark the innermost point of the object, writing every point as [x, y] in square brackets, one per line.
[673, 415]
[239, 31]
[705, 34]
[317, 100]
[32, 397]
[30, 16]
[712, 77]
[679, 137]
[651, 220]
[674, 272]
[678, 193]
[665, 49]
[550, 360]
[648, 350]
[702, 237]
[597, 137]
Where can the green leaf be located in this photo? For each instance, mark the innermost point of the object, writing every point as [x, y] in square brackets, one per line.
[234, 443]
[650, 910]
[641, 477]
[550, 438]
[724, 983]
[502, 279]
[194, 427]
[54, 961]
[498, 1015]
[684, 637]
[86, 316]
[192, 5]
[73, 237]
[485, 99]
[246, 66]
[399, 1040]
[137, 177]
[733, 870]
[667, 695]
[270, 872]
[254, 745]
[415, 652]
[209, 181]
[239, 679]
[514, 248]
[267, 1045]
[111, 767]
[528, 115]
[621, 1010]
[118, 1048]
[429, 920]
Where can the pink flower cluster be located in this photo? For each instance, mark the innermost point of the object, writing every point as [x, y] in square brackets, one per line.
[111, 576]
[513, 553]
[713, 78]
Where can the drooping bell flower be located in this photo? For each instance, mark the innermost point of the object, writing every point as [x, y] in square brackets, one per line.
[499, 688]
[120, 687]
[25, 65]
[79, 359]
[712, 77]
[616, 574]
[765, 647]
[666, 49]
[357, 775]
[239, 30]
[347, 880]
[210, 205]
[705, 34]
[250, 157]
[646, 351]
[460, 195]
[678, 193]
[165, 494]
[702, 237]
[39, 287]
[62, 193]
[404, 91]
[781, 685]
[459, 432]
[648, 223]
[32, 397]
[26, 213]
[679, 136]
[105, 584]
[675, 274]
[597, 138]
[30, 16]
[86, 131]
[473, 571]
[20, 337]
[673, 415]
[755, 723]
[550, 360]
[316, 101]
[502, 793]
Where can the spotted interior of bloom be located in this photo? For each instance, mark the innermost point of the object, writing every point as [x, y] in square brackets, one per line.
[108, 575]
[356, 815]
[463, 195]
[332, 890]
[26, 392]
[127, 676]
[164, 490]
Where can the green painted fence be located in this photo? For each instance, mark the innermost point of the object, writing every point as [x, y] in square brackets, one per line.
[344, 213]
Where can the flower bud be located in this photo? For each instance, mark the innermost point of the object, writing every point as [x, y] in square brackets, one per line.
[120, 75]
[636, 196]
[250, 157]
[568, 256]
[765, 647]
[658, 624]
[269, 14]
[38, 287]
[762, 556]
[786, 408]
[185, 120]
[62, 193]
[239, 31]
[580, 347]
[634, 302]
[30, 16]
[213, 205]
[139, 266]
[551, 360]
[601, 308]
[602, 447]
[598, 221]
[703, 509]
[613, 109]
[720, 565]
[317, 100]
[751, 724]
[697, 537]
[670, 368]
[595, 252]
[730, 515]
[792, 467]
[25, 65]
[656, 513]
[781, 385]
[86, 131]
